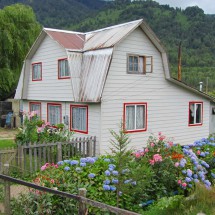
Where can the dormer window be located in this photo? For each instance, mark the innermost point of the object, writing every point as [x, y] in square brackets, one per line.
[37, 71]
[63, 69]
[139, 64]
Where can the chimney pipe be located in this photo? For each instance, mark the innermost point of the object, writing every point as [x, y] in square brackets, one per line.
[200, 86]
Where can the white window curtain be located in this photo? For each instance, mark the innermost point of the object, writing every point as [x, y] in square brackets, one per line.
[135, 117]
[37, 71]
[54, 114]
[79, 118]
[36, 108]
[198, 113]
[141, 61]
[63, 67]
[195, 113]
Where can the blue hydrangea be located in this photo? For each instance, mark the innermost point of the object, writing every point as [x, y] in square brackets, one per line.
[207, 183]
[115, 172]
[213, 175]
[189, 173]
[74, 162]
[125, 171]
[195, 176]
[112, 188]
[111, 167]
[127, 181]
[107, 173]
[184, 171]
[106, 187]
[115, 181]
[60, 163]
[187, 179]
[107, 160]
[83, 164]
[107, 182]
[90, 160]
[66, 161]
[134, 183]
[83, 160]
[91, 175]
[66, 168]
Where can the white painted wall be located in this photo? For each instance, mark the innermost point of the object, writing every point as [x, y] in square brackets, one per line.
[212, 119]
[50, 88]
[168, 104]
[94, 113]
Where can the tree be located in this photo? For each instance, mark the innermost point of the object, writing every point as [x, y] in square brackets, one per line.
[18, 30]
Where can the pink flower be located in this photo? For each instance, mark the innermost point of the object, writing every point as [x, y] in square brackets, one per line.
[198, 152]
[162, 137]
[39, 130]
[137, 155]
[43, 168]
[52, 181]
[152, 144]
[159, 133]
[157, 158]
[170, 143]
[152, 162]
[184, 184]
[146, 150]
[176, 164]
[179, 181]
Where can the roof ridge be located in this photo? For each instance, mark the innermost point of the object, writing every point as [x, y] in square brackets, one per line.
[115, 26]
[63, 31]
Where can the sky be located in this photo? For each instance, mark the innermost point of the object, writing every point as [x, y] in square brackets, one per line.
[207, 5]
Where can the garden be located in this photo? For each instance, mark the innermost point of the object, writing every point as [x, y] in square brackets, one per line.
[161, 178]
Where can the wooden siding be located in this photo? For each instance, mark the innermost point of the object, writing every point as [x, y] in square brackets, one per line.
[167, 103]
[94, 113]
[50, 87]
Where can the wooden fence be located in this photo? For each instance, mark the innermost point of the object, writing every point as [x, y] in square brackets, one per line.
[30, 157]
[81, 198]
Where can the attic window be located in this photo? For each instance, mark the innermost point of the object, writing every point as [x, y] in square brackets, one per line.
[63, 69]
[139, 64]
[37, 71]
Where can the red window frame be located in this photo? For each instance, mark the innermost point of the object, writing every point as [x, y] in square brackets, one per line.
[196, 124]
[36, 103]
[124, 116]
[79, 106]
[54, 104]
[63, 77]
[33, 79]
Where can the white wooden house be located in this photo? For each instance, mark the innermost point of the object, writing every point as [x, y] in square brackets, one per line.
[93, 81]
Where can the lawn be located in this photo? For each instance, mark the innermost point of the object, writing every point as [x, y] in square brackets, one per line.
[7, 137]
[7, 143]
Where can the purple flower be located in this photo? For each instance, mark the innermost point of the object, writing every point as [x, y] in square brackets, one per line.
[59, 163]
[90, 160]
[66, 168]
[107, 182]
[189, 173]
[213, 175]
[134, 183]
[115, 181]
[127, 181]
[107, 160]
[188, 179]
[91, 175]
[207, 183]
[83, 160]
[112, 188]
[74, 162]
[83, 164]
[106, 187]
[66, 161]
[111, 166]
[107, 173]
[115, 172]
[196, 180]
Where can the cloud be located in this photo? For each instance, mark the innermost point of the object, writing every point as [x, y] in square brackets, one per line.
[207, 5]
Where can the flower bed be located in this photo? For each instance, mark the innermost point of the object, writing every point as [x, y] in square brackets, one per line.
[134, 180]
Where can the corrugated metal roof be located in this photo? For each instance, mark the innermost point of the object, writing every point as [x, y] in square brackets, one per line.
[108, 37]
[67, 39]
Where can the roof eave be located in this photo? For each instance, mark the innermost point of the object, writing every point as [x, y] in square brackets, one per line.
[179, 83]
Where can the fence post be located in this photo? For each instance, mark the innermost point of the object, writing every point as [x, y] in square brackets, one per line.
[59, 152]
[21, 157]
[90, 154]
[7, 191]
[82, 210]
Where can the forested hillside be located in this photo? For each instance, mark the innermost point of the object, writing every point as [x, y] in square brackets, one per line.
[194, 29]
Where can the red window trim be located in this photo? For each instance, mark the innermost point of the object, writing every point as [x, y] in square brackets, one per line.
[40, 71]
[83, 132]
[124, 117]
[36, 103]
[54, 104]
[65, 77]
[197, 124]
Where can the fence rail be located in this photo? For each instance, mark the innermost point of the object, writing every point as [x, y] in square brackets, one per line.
[83, 201]
[30, 157]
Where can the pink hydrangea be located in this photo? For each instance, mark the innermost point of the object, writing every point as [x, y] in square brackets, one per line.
[176, 164]
[198, 152]
[146, 150]
[157, 158]
[184, 184]
[152, 144]
[170, 143]
[152, 162]
[179, 181]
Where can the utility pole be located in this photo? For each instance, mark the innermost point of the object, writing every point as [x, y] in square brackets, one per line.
[206, 90]
[179, 62]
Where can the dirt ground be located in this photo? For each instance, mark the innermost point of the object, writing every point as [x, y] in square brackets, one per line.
[6, 133]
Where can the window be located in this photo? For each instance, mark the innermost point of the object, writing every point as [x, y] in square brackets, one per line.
[35, 106]
[195, 113]
[54, 113]
[79, 118]
[36, 71]
[63, 69]
[139, 64]
[134, 117]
